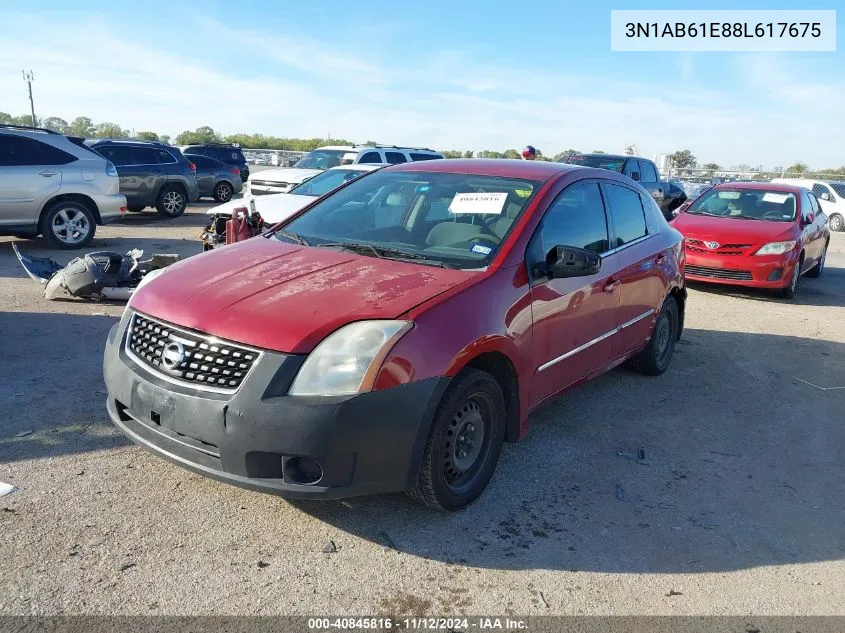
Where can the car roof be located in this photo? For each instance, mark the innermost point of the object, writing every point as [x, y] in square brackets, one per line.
[620, 156]
[358, 167]
[508, 168]
[764, 186]
[336, 148]
[127, 141]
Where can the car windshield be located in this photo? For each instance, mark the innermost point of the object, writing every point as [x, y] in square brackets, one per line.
[750, 204]
[323, 183]
[839, 188]
[434, 218]
[602, 162]
[321, 159]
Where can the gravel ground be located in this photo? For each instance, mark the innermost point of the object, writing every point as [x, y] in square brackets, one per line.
[738, 506]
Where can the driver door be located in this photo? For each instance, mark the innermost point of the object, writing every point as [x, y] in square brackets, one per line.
[574, 319]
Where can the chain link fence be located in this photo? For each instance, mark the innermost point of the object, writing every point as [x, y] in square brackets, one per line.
[272, 157]
[697, 174]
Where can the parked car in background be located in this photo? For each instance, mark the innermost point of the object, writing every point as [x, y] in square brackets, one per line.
[282, 180]
[764, 235]
[831, 196]
[394, 334]
[225, 152]
[53, 185]
[215, 178]
[151, 174]
[668, 196]
[279, 206]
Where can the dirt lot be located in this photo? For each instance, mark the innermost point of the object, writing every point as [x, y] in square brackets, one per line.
[738, 506]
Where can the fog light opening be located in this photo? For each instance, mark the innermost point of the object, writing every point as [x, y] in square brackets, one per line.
[776, 274]
[303, 470]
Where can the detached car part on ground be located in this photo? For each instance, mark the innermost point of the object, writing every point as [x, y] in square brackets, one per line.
[393, 335]
[100, 275]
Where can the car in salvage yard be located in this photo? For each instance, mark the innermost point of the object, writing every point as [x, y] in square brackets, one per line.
[392, 335]
[764, 235]
[216, 179]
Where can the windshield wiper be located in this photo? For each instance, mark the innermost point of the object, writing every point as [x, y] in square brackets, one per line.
[385, 252]
[291, 236]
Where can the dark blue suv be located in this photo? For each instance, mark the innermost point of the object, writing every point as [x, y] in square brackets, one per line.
[224, 152]
[151, 174]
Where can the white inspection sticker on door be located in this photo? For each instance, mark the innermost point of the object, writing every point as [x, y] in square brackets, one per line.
[478, 202]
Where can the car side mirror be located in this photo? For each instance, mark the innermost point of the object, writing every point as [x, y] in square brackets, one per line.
[825, 196]
[568, 261]
[809, 218]
[682, 208]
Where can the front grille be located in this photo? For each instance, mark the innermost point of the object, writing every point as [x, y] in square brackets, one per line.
[707, 251]
[194, 359]
[271, 183]
[698, 246]
[719, 273]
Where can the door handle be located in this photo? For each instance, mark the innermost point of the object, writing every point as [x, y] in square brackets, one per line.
[611, 285]
[47, 173]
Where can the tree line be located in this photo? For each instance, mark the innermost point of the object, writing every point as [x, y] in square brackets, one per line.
[683, 162]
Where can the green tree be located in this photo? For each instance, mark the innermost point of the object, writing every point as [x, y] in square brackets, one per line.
[204, 134]
[81, 126]
[683, 159]
[56, 124]
[450, 153]
[109, 130]
[710, 168]
[5, 117]
[469, 154]
[164, 138]
[598, 151]
[797, 168]
[511, 153]
[24, 119]
[562, 157]
[148, 136]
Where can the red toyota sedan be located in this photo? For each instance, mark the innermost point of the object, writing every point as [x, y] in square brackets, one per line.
[393, 334]
[754, 234]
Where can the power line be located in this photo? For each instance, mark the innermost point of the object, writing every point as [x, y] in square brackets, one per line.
[29, 77]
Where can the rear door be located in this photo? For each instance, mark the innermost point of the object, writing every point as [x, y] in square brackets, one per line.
[30, 172]
[637, 281]
[206, 172]
[573, 319]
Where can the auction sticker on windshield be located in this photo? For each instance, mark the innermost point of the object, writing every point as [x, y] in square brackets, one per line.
[491, 203]
[778, 198]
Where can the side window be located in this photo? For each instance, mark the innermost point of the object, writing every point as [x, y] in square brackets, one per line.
[575, 218]
[626, 213]
[415, 156]
[371, 157]
[653, 214]
[117, 154]
[165, 157]
[19, 151]
[647, 172]
[394, 158]
[632, 169]
[144, 156]
[806, 205]
[819, 189]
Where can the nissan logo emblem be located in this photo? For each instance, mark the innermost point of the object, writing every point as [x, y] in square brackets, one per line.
[172, 355]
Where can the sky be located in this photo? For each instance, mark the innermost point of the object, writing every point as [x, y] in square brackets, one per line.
[462, 74]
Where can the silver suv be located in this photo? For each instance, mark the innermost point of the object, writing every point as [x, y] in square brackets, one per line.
[53, 185]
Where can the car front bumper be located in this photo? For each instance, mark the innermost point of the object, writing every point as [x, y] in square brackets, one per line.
[257, 438]
[758, 271]
[111, 206]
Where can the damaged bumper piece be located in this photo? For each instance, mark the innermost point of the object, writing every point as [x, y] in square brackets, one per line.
[103, 275]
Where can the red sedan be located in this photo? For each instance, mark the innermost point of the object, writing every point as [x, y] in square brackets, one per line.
[754, 234]
[393, 334]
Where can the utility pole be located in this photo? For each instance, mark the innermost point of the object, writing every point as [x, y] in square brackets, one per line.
[29, 77]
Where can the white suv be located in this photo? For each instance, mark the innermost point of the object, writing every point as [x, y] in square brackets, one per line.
[56, 186]
[831, 195]
[283, 180]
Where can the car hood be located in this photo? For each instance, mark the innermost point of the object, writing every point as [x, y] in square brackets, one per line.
[272, 209]
[286, 174]
[732, 231]
[287, 297]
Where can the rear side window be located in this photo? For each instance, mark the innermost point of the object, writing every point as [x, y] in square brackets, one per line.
[371, 157]
[144, 156]
[21, 151]
[395, 158]
[626, 213]
[819, 189]
[195, 150]
[165, 157]
[647, 172]
[415, 156]
[575, 218]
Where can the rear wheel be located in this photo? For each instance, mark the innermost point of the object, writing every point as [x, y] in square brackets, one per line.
[657, 355]
[464, 444]
[817, 270]
[171, 201]
[223, 191]
[68, 224]
[836, 223]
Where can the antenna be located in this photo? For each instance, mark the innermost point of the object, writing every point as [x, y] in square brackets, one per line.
[29, 77]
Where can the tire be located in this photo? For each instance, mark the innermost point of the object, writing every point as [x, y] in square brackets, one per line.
[68, 224]
[135, 208]
[223, 191]
[836, 223]
[464, 444]
[818, 270]
[655, 358]
[788, 292]
[172, 201]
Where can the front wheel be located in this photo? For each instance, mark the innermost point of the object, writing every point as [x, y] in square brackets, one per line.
[836, 223]
[223, 192]
[464, 443]
[171, 202]
[788, 291]
[656, 356]
[69, 225]
[817, 270]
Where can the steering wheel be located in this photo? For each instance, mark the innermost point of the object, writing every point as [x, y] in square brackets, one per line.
[773, 214]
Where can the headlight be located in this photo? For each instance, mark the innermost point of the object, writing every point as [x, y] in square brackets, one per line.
[777, 248]
[346, 361]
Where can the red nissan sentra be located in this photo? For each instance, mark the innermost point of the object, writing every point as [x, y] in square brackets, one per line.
[395, 332]
[754, 234]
